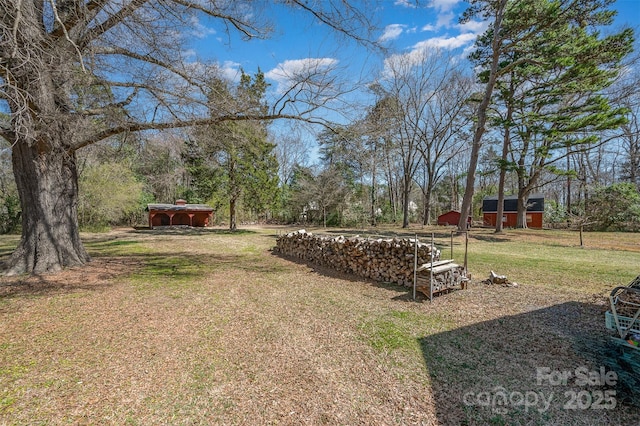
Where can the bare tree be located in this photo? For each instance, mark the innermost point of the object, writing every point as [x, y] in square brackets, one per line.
[75, 72]
[379, 126]
[291, 152]
[627, 94]
[446, 125]
[428, 94]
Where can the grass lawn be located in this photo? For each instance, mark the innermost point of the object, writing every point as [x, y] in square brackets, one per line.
[188, 327]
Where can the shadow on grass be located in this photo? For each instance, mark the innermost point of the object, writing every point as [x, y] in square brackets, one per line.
[113, 261]
[328, 271]
[110, 246]
[404, 293]
[85, 278]
[495, 238]
[489, 372]
[190, 231]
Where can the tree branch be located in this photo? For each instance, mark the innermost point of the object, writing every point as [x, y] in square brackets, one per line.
[72, 19]
[139, 126]
[110, 22]
[250, 31]
[146, 58]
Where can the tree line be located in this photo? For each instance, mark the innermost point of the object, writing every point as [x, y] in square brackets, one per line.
[102, 113]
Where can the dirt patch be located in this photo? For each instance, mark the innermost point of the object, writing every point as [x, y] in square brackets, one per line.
[176, 328]
[95, 276]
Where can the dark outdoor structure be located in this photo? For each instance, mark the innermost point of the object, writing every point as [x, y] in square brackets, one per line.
[179, 213]
[535, 211]
[451, 218]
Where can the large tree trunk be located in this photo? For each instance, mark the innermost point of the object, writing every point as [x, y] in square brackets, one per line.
[523, 199]
[233, 225]
[476, 144]
[406, 190]
[506, 144]
[372, 219]
[47, 182]
[426, 220]
[43, 157]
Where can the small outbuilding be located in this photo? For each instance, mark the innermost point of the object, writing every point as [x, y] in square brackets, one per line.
[180, 213]
[451, 218]
[535, 211]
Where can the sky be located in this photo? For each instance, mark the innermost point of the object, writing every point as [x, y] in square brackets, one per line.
[404, 28]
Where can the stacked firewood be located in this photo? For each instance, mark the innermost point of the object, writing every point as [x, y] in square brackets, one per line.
[444, 274]
[387, 260]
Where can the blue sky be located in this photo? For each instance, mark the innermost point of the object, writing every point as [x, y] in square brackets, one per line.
[403, 27]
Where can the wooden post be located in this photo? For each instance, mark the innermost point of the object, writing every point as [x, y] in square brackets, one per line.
[466, 247]
[452, 244]
[415, 265]
[431, 270]
[581, 228]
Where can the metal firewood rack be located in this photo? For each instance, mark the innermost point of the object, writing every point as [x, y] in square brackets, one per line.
[623, 318]
[439, 276]
[624, 314]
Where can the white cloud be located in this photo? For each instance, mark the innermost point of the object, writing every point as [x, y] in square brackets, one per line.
[291, 71]
[392, 32]
[189, 53]
[444, 5]
[198, 29]
[405, 3]
[445, 14]
[475, 27]
[445, 42]
[230, 70]
[444, 20]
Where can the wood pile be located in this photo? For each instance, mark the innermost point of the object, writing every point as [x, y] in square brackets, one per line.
[446, 276]
[387, 260]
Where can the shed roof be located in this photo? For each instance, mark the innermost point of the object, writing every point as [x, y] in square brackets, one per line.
[179, 207]
[450, 211]
[535, 203]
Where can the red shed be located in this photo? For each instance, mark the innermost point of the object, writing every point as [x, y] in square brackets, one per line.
[535, 211]
[179, 213]
[451, 218]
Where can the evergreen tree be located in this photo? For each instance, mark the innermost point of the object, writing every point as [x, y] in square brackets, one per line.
[615, 208]
[233, 161]
[551, 83]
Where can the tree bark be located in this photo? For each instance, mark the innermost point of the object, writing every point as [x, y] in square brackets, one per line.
[47, 182]
[233, 225]
[479, 130]
[373, 219]
[506, 144]
[43, 157]
[406, 190]
[523, 199]
[427, 203]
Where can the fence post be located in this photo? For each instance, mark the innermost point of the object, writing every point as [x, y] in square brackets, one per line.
[433, 247]
[415, 265]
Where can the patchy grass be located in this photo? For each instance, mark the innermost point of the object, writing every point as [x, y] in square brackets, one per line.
[557, 268]
[209, 327]
[399, 330]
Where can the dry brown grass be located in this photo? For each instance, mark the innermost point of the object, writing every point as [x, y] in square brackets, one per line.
[212, 328]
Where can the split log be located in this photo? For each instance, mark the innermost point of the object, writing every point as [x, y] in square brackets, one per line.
[390, 260]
